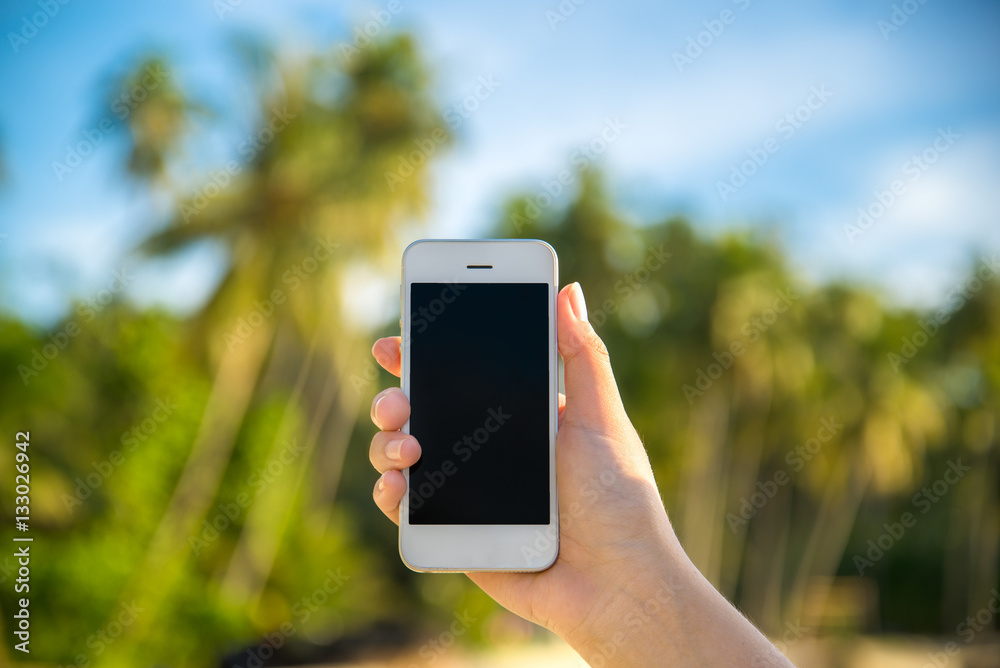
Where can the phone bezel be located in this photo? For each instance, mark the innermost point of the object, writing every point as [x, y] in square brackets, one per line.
[465, 548]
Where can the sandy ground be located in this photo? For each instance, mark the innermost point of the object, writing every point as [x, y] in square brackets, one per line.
[882, 652]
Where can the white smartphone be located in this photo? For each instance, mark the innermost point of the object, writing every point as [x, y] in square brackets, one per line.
[480, 371]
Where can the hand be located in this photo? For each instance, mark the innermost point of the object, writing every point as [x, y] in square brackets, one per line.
[622, 587]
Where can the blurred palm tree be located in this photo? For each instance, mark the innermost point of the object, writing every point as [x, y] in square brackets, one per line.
[719, 426]
[156, 113]
[969, 378]
[312, 206]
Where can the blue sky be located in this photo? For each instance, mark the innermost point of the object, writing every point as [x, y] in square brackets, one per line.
[686, 128]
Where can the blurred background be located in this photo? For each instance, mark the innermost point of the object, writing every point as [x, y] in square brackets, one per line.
[202, 211]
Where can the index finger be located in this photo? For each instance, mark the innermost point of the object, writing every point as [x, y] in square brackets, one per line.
[386, 352]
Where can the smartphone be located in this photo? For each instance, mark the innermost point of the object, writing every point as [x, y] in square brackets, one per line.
[480, 370]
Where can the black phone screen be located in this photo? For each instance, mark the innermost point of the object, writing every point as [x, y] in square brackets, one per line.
[479, 404]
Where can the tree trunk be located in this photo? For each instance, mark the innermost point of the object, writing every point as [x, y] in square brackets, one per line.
[162, 566]
[830, 531]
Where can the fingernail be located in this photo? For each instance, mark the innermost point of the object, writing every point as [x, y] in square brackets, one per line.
[577, 302]
[381, 483]
[375, 412]
[394, 450]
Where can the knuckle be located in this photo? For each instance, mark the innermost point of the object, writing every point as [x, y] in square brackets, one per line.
[588, 343]
[594, 343]
[375, 449]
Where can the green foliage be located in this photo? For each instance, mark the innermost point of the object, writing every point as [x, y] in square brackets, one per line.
[228, 450]
[731, 369]
[98, 487]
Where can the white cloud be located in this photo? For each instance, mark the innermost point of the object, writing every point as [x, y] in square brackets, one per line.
[921, 247]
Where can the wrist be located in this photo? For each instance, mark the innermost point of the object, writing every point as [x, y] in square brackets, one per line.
[667, 613]
[632, 618]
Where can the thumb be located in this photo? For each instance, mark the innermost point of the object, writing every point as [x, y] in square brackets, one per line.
[592, 399]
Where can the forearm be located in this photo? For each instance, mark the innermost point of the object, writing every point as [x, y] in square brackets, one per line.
[669, 614]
